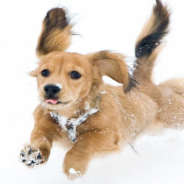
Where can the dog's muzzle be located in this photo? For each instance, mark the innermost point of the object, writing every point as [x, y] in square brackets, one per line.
[51, 91]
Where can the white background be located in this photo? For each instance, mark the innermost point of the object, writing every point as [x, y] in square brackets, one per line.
[110, 24]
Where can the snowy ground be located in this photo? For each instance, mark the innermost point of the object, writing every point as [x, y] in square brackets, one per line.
[112, 24]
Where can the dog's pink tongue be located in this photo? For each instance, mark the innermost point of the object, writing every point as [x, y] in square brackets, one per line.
[51, 101]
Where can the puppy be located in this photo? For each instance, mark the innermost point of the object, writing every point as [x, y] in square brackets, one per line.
[89, 117]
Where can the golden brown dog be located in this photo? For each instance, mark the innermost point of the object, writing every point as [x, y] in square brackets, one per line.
[90, 117]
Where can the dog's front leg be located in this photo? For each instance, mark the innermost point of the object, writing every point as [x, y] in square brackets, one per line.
[87, 145]
[44, 133]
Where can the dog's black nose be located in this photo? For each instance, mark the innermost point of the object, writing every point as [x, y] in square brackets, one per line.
[51, 90]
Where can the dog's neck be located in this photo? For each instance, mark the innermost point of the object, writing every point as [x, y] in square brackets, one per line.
[73, 116]
[70, 125]
[79, 107]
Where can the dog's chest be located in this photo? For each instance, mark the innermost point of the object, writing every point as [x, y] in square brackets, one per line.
[70, 125]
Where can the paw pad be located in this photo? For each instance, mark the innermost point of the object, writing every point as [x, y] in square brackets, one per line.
[31, 157]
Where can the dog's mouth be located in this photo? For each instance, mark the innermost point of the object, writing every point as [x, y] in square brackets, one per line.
[55, 102]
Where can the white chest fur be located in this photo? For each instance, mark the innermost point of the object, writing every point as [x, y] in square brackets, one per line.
[71, 124]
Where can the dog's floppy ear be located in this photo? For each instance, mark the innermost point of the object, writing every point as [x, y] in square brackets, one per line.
[55, 34]
[34, 73]
[112, 65]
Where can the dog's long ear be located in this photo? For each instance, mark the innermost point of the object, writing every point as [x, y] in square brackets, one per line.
[34, 73]
[112, 65]
[55, 34]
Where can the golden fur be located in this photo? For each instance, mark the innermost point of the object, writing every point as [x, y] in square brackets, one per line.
[123, 113]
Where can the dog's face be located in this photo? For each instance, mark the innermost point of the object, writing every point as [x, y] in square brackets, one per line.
[65, 78]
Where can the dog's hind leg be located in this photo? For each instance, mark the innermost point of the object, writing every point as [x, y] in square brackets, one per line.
[55, 34]
[177, 85]
[171, 104]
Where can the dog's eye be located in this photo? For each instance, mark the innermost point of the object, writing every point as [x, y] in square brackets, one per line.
[45, 73]
[75, 75]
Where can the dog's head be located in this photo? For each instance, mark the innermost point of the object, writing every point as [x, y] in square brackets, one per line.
[66, 78]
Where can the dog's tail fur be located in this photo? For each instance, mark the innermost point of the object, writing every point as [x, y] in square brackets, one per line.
[149, 44]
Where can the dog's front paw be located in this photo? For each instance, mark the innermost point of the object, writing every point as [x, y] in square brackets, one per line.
[31, 157]
[75, 164]
[72, 173]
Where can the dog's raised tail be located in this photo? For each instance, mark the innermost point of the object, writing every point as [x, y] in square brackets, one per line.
[149, 43]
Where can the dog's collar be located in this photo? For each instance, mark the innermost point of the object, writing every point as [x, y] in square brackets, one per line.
[71, 124]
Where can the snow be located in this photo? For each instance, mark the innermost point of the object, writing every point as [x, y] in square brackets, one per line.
[103, 92]
[87, 106]
[62, 120]
[131, 62]
[74, 122]
[73, 171]
[59, 85]
[103, 25]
